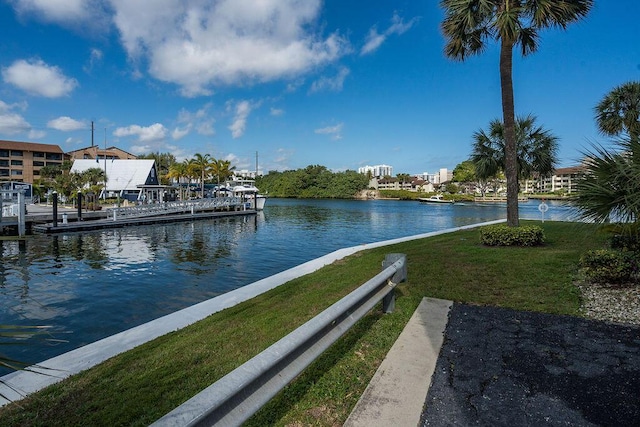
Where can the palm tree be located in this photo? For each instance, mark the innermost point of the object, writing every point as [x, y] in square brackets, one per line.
[536, 149]
[619, 111]
[222, 169]
[468, 26]
[201, 166]
[178, 171]
[93, 176]
[610, 187]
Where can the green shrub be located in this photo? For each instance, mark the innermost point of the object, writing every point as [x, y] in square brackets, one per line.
[626, 242]
[502, 235]
[610, 266]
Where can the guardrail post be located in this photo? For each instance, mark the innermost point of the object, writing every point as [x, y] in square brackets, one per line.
[389, 301]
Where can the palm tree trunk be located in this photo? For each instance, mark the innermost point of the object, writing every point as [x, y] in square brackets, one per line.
[508, 116]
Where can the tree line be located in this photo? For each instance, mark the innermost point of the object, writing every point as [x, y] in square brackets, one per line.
[314, 181]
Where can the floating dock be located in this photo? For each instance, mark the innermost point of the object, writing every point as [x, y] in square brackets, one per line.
[99, 224]
[40, 219]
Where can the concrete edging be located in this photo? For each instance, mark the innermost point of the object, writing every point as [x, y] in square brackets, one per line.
[397, 392]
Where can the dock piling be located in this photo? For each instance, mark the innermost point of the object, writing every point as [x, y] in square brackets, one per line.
[55, 208]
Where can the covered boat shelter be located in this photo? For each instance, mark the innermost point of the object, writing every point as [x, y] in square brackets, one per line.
[133, 180]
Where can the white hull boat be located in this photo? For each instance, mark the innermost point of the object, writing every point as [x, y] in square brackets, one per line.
[245, 188]
[435, 199]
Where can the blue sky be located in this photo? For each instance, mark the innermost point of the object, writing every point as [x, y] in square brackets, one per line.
[337, 83]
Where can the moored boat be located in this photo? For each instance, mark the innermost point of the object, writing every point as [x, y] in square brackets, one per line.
[246, 188]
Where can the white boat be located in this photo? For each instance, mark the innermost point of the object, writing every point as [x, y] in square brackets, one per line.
[246, 188]
[434, 199]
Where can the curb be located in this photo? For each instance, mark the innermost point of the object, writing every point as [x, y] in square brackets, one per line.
[397, 392]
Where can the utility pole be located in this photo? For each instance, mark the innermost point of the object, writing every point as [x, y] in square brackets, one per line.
[104, 192]
[91, 133]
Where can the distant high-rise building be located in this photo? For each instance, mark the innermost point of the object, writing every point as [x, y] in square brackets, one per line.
[377, 171]
[443, 175]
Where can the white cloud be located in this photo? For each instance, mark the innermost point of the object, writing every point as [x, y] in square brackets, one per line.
[142, 149]
[206, 127]
[333, 84]
[334, 131]
[242, 111]
[88, 15]
[200, 120]
[200, 45]
[179, 133]
[95, 57]
[4, 107]
[159, 146]
[374, 39]
[36, 134]
[281, 161]
[66, 124]
[12, 123]
[154, 133]
[38, 78]
[276, 112]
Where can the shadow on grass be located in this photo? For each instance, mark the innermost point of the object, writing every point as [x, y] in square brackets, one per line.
[285, 401]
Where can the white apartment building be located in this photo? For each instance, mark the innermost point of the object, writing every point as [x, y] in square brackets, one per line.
[247, 174]
[443, 175]
[377, 171]
[565, 179]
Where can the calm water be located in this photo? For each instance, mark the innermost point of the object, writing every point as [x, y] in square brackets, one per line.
[91, 285]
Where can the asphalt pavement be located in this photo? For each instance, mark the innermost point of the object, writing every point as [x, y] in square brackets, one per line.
[500, 367]
[489, 366]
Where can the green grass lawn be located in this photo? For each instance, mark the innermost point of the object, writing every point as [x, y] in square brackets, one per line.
[141, 385]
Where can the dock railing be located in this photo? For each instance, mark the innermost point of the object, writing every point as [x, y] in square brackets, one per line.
[237, 396]
[179, 207]
[13, 203]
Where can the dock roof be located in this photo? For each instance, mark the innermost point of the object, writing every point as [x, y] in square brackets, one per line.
[121, 174]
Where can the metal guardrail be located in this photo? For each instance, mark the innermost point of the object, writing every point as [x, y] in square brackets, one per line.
[168, 208]
[237, 396]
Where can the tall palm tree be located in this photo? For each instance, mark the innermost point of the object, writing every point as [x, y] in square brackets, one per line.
[619, 111]
[201, 166]
[468, 26]
[536, 149]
